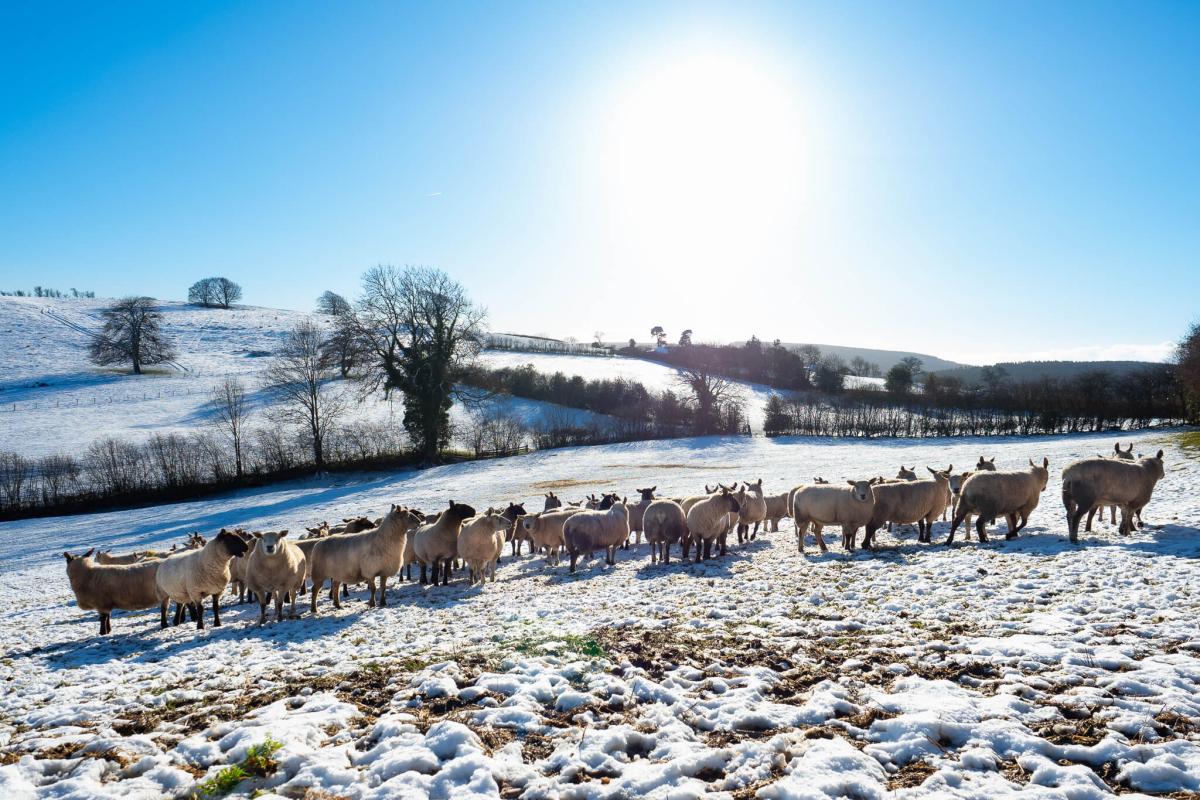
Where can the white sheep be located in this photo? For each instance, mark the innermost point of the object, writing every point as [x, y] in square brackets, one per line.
[1094, 482]
[906, 502]
[665, 524]
[480, 543]
[107, 587]
[604, 528]
[753, 510]
[275, 566]
[637, 511]
[365, 556]
[545, 530]
[850, 507]
[1013, 495]
[708, 520]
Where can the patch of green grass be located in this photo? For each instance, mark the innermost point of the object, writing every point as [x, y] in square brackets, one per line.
[571, 643]
[1189, 441]
[372, 666]
[258, 763]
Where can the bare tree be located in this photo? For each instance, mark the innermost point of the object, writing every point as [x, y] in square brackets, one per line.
[233, 410]
[298, 376]
[214, 293]
[226, 292]
[132, 334]
[419, 328]
[712, 395]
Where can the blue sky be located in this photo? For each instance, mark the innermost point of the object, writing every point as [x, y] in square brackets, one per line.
[974, 180]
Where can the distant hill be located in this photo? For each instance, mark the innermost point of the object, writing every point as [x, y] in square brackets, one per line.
[1035, 370]
[886, 359]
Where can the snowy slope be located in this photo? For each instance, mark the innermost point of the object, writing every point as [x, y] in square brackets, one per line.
[1028, 668]
[53, 400]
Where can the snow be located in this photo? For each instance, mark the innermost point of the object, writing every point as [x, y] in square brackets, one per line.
[1028, 668]
[52, 399]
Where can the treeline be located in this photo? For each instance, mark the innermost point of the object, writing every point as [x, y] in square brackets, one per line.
[1087, 403]
[657, 415]
[774, 365]
[172, 466]
[41, 291]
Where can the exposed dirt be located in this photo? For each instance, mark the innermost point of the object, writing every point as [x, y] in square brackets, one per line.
[914, 773]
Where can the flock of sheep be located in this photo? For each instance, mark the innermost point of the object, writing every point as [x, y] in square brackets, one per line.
[269, 566]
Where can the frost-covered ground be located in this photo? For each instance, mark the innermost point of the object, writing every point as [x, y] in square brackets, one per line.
[53, 400]
[1031, 667]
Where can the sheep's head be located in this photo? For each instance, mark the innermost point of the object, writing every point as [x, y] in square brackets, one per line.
[957, 481]
[820, 480]
[608, 501]
[755, 486]
[272, 542]
[984, 464]
[942, 474]
[1124, 455]
[513, 511]
[861, 490]
[460, 511]
[552, 501]
[647, 494]
[1042, 473]
[234, 545]
[80, 557]
[1154, 463]
[907, 473]
[529, 522]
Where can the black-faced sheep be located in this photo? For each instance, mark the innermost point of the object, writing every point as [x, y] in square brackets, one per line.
[436, 544]
[188, 578]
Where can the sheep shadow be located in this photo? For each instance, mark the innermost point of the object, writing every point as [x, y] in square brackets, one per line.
[716, 566]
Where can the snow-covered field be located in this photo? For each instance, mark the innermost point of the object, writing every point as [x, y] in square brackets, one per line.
[53, 400]
[1028, 668]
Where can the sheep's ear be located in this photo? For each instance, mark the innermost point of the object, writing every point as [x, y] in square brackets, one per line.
[67, 556]
[654, 488]
[850, 482]
[950, 468]
[88, 553]
[451, 504]
[1045, 463]
[1158, 456]
[932, 471]
[283, 533]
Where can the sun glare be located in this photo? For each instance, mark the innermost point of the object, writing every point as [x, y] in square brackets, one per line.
[704, 157]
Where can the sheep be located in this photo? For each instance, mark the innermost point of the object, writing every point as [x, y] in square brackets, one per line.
[956, 483]
[851, 508]
[708, 520]
[606, 527]
[907, 473]
[363, 556]
[753, 509]
[591, 503]
[553, 501]
[105, 587]
[777, 509]
[665, 523]
[275, 566]
[188, 578]
[908, 501]
[1123, 455]
[480, 543]
[1094, 482]
[991, 494]
[105, 558]
[985, 465]
[238, 569]
[514, 534]
[545, 529]
[636, 513]
[436, 544]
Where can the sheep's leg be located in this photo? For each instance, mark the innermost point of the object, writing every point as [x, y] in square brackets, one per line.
[346, 590]
[178, 614]
[382, 590]
[574, 555]
[960, 513]
[333, 593]
[312, 595]
[1011, 519]
[262, 610]
[1126, 526]
[279, 606]
[216, 610]
[446, 570]
[371, 587]
[818, 531]
[102, 630]
[981, 528]
[200, 616]
[162, 613]
[1091, 514]
[424, 575]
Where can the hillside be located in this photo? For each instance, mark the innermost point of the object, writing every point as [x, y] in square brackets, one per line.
[52, 399]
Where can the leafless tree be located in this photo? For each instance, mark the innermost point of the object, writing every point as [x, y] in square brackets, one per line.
[232, 411]
[299, 377]
[712, 395]
[15, 470]
[132, 334]
[214, 292]
[419, 329]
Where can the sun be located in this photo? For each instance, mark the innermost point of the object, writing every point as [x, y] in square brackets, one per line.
[703, 157]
